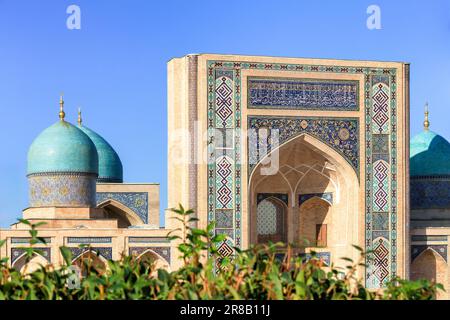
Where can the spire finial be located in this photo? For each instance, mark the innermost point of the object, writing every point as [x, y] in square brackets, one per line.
[80, 121]
[426, 122]
[62, 114]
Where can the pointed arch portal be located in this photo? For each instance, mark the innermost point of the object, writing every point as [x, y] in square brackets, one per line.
[321, 212]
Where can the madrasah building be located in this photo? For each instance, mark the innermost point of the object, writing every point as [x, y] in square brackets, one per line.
[311, 152]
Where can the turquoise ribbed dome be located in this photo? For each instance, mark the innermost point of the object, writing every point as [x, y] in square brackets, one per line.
[109, 165]
[62, 147]
[429, 155]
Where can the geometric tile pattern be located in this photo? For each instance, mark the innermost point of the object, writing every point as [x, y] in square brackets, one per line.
[147, 239]
[16, 253]
[380, 98]
[224, 83]
[381, 186]
[104, 252]
[224, 218]
[49, 190]
[429, 193]
[136, 201]
[267, 218]
[341, 134]
[224, 181]
[327, 196]
[379, 268]
[380, 221]
[303, 94]
[381, 193]
[224, 99]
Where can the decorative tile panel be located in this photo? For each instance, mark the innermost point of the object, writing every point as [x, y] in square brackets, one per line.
[23, 240]
[381, 184]
[16, 253]
[224, 99]
[55, 190]
[224, 182]
[430, 193]
[147, 239]
[105, 252]
[341, 134]
[281, 196]
[89, 240]
[303, 94]
[136, 201]
[224, 218]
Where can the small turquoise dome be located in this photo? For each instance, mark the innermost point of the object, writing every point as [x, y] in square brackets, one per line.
[109, 165]
[62, 147]
[429, 155]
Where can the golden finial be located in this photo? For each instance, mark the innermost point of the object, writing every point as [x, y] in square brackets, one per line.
[62, 114]
[79, 117]
[426, 123]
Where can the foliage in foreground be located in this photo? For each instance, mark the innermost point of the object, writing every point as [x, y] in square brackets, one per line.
[255, 273]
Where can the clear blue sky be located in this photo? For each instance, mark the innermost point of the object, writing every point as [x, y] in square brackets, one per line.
[115, 66]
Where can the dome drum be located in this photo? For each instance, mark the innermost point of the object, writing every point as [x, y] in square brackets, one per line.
[430, 192]
[62, 190]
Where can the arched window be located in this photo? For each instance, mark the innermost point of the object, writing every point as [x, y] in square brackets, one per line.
[271, 221]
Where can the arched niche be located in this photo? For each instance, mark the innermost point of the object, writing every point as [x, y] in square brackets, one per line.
[307, 165]
[315, 227]
[35, 263]
[124, 215]
[431, 266]
[153, 260]
[90, 260]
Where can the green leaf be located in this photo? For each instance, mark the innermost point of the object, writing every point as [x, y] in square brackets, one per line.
[67, 255]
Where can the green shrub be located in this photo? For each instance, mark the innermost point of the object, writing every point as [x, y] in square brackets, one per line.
[255, 273]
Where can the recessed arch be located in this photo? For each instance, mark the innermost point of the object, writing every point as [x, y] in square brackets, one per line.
[116, 210]
[430, 265]
[314, 213]
[91, 259]
[318, 146]
[307, 165]
[36, 262]
[156, 260]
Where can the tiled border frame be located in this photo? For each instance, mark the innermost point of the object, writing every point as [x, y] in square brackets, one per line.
[369, 73]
